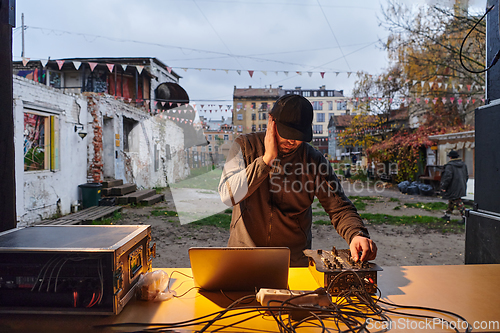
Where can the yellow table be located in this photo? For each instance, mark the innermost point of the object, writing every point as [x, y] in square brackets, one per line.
[472, 291]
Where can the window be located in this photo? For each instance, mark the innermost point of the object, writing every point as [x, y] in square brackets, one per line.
[240, 128]
[306, 93]
[322, 94]
[253, 105]
[55, 79]
[264, 116]
[330, 115]
[209, 137]
[239, 106]
[320, 117]
[260, 127]
[264, 127]
[341, 105]
[254, 128]
[318, 129]
[239, 116]
[254, 116]
[41, 142]
[226, 137]
[203, 148]
[263, 106]
[210, 148]
[317, 105]
[330, 105]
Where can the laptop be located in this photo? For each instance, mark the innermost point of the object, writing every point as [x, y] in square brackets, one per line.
[239, 268]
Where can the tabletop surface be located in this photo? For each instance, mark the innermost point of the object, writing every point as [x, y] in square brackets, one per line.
[472, 291]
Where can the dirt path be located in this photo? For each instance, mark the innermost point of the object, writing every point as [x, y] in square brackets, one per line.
[397, 245]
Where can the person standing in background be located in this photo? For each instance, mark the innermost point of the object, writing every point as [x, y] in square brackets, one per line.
[454, 184]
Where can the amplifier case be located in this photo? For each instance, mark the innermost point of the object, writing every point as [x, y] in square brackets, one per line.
[72, 269]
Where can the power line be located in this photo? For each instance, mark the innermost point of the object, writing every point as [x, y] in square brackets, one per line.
[333, 33]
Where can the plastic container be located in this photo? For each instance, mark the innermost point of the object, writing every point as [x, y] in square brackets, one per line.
[91, 194]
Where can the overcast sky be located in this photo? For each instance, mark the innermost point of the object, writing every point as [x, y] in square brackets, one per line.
[208, 41]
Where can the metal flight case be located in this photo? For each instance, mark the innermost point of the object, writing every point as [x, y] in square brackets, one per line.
[72, 269]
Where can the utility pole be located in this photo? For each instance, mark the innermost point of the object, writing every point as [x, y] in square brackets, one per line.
[7, 166]
[22, 34]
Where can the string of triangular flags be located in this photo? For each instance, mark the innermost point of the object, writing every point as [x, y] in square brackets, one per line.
[92, 65]
[422, 83]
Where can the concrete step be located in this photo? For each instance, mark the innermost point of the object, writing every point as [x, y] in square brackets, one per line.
[134, 197]
[123, 189]
[111, 183]
[152, 199]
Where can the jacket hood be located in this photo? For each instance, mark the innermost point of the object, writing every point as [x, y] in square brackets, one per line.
[457, 163]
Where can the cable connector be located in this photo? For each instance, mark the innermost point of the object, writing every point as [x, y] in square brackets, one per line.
[264, 296]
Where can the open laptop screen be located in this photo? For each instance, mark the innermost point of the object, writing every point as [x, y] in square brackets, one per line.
[240, 268]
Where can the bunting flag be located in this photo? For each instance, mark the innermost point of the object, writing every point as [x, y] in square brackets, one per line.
[238, 71]
[124, 67]
[43, 61]
[322, 74]
[110, 67]
[60, 63]
[286, 73]
[300, 73]
[92, 65]
[264, 72]
[77, 64]
[169, 70]
[310, 73]
[251, 73]
[139, 69]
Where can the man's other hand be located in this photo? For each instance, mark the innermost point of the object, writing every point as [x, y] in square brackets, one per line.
[270, 144]
[364, 245]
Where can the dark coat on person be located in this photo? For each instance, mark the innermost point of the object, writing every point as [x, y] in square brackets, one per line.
[454, 179]
[276, 208]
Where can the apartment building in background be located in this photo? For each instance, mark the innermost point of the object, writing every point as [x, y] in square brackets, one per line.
[252, 104]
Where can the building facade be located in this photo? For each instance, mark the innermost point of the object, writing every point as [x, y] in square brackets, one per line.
[252, 104]
[67, 135]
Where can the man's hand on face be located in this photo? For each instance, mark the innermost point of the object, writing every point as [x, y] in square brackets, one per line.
[270, 144]
[364, 245]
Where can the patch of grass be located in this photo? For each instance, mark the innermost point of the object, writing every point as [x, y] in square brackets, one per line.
[394, 200]
[429, 206]
[356, 197]
[228, 211]
[416, 220]
[322, 222]
[397, 208]
[320, 213]
[163, 213]
[200, 179]
[109, 220]
[158, 190]
[360, 205]
[217, 220]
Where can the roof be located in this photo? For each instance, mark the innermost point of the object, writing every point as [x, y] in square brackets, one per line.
[343, 120]
[257, 92]
[113, 60]
[451, 136]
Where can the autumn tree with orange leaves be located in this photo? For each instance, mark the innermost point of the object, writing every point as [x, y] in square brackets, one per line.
[426, 76]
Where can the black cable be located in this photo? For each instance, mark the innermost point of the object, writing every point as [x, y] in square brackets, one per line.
[495, 59]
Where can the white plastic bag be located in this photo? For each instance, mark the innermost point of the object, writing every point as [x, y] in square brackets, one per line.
[153, 286]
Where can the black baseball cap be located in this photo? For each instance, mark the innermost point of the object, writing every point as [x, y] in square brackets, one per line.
[293, 115]
[453, 154]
